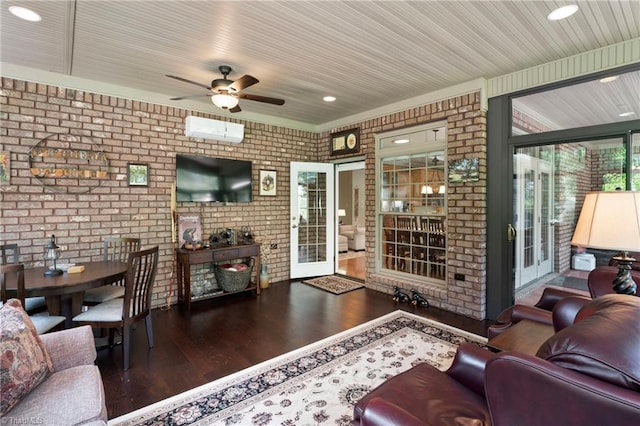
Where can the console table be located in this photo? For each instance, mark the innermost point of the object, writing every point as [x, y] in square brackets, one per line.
[186, 258]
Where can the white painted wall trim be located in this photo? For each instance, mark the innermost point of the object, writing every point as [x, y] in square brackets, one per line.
[613, 56]
[19, 72]
[472, 86]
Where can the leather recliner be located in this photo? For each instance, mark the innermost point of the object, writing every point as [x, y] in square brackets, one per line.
[542, 311]
[586, 373]
[599, 281]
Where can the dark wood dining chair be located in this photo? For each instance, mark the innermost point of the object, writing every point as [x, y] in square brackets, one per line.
[10, 254]
[405, 227]
[43, 323]
[115, 249]
[134, 307]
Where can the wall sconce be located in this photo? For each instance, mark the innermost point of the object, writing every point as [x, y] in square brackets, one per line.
[611, 221]
[51, 255]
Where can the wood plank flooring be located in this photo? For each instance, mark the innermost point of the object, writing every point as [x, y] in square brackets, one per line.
[222, 336]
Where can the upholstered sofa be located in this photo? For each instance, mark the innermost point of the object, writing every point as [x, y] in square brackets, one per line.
[355, 234]
[586, 373]
[63, 387]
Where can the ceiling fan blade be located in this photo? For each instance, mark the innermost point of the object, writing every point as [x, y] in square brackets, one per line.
[258, 98]
[235, 109]
[243, 82]
[189, 97]
[189, 81]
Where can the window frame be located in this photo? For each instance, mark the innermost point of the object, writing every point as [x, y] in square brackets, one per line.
[384, 151]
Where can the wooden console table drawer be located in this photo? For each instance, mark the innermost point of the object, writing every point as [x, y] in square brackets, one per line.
[186, 258]
[200, 256]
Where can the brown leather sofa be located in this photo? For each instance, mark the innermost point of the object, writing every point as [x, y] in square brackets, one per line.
[587, 373]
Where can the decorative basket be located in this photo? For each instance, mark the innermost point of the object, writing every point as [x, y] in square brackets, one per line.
[234, 280]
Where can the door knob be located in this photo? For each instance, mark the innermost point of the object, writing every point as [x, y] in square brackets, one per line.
[511, 232]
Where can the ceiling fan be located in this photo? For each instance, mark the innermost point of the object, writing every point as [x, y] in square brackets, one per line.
[227, 93]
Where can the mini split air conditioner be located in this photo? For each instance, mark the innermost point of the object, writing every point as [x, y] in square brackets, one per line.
[198, 127]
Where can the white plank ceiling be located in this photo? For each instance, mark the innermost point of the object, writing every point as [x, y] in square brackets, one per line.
[366, 53]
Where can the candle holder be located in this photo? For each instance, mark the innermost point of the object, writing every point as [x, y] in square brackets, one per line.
[51, 255]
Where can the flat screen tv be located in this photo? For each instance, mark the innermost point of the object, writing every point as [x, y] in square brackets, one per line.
[208, 179]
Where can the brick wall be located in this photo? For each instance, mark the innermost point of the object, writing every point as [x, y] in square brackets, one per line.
[129, 131]
[466, 133]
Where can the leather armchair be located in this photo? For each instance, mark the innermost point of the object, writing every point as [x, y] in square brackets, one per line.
[600, 279]
[542, 311]
[587, 373]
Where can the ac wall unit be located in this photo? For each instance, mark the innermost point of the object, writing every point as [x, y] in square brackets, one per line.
[198, 127]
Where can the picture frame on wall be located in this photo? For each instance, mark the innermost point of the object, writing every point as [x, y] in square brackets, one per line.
[345, 142]
[5, 168]
[268, 182]
[464, 170]
[138, 174]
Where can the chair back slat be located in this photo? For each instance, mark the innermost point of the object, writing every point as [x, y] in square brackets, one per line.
[117, 249]
[16, 269]
[142, 266]
[9, 253]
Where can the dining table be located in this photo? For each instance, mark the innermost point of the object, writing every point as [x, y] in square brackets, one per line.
[64, 293]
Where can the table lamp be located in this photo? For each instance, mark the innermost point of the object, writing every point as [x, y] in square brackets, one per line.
[611, 221]
[341, 213]
[51, 255]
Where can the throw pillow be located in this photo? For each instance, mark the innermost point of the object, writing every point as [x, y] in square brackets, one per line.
[25, 362]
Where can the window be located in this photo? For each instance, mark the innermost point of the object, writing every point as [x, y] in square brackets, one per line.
[411, 202]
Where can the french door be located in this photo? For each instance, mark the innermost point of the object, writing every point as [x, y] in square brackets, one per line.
[533, 199]
[312, 219]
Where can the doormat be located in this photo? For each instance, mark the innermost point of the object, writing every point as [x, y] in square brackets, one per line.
[334, 284]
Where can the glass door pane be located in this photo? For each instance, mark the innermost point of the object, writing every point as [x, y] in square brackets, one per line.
[550, 184]
[312, 213]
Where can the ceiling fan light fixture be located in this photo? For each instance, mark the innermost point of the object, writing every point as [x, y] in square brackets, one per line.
[24, 13]
[224, 101]
[562, 12]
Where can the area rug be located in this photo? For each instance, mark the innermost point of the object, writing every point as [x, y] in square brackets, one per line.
[334, 284]
[351, 254]
[316, 384]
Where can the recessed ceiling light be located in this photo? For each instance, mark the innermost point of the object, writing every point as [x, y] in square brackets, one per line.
[562, 12]
[399, 141]
[626, 114]
[329, 98]
[24, 13]
[608, 79]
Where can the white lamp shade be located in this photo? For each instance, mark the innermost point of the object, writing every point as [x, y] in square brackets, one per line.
[342, 212]
[609, 221]
[224, 101]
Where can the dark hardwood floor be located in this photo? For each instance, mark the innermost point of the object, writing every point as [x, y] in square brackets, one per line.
[222, 336]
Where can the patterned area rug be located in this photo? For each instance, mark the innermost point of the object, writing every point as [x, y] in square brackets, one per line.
[334, 284]
[317, 384]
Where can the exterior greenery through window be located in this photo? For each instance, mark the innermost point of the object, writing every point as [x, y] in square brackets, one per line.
[411, 204]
